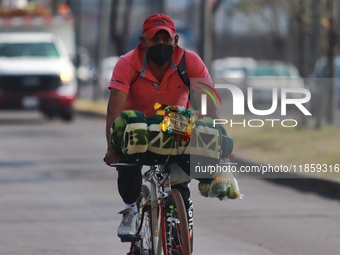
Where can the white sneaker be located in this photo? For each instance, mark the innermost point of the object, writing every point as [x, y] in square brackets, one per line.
[128, 227]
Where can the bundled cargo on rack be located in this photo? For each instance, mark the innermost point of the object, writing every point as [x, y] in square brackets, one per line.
[173, 134]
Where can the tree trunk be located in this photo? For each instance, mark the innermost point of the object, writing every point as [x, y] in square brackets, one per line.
[326, 107]
[119, 35]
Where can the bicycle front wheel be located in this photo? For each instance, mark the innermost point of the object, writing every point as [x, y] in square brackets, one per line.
[177, 229]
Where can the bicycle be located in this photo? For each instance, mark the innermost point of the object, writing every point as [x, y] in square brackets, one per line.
[162, 216]
[163, 220]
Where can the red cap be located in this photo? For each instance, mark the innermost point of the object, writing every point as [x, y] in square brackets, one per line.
[156, 22]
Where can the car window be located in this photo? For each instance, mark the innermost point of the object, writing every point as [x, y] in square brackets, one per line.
[263, 71]
[337, 71]
[12, 50]
[282, 70]
[237, 69]
[272, 70]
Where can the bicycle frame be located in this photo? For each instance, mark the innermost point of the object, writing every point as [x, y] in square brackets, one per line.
[160, 186]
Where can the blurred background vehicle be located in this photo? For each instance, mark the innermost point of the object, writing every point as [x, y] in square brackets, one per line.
[106, 68]
[266, 75]
[36, 72]
[86, 69]
[37, 16]
[321, 76]
[232, 70]
[38, 52]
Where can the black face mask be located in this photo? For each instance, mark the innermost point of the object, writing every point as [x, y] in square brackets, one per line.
[160, 53]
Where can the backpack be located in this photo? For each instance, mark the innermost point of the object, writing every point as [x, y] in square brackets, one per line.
[183, 73]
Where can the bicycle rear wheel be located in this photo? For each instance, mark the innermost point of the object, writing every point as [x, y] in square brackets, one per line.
[143, 245]
[177, 230]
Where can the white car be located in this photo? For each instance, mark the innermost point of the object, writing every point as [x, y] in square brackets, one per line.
[232, 70]
[267, 75]
[36, 72]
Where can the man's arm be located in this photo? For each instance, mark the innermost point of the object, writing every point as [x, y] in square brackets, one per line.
[115, 106]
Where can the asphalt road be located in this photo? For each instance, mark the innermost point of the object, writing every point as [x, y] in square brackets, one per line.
[57, 197]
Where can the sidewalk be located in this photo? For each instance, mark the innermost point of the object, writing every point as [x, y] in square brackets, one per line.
[323, 187]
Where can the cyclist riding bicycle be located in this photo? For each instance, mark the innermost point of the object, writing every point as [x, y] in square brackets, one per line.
[142, 77]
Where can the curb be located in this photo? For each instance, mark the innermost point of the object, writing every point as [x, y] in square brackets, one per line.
[322, 187]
